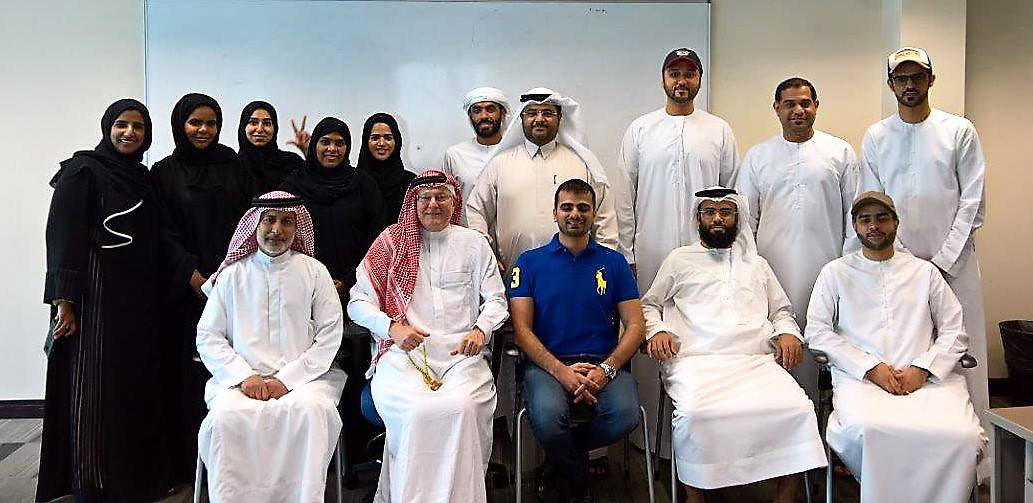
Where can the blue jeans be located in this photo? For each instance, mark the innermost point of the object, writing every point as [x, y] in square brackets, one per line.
[369, 409]
[566, 447]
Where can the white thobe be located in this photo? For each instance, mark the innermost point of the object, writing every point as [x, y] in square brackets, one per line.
[438, 442]
[275, 317]
[799, 192]
[900, 311]
[934, 171]
[513, 199]
[739, 417]
[664, 160]
[465, 161]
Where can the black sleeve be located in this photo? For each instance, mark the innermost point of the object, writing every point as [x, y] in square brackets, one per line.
[179, 263]
[375, 214]
[68, 237]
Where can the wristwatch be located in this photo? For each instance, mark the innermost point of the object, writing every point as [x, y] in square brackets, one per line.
[608, 370]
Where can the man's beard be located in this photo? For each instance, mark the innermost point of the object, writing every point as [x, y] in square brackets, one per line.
[689, 99]
[566, 231]
[719, 240]
[920, 99]
[494, 130]
[886, 243]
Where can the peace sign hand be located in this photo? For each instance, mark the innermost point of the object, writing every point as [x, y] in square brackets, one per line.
[301, 137]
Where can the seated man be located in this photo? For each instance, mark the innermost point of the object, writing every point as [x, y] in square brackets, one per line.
[714, 315]
[430, 292]
[268, 335]
[893, 332]
[565, 298]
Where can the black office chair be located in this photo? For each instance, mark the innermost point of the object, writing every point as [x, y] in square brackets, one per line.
[966, 361]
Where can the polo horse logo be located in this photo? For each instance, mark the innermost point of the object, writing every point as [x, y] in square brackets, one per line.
[600, 282]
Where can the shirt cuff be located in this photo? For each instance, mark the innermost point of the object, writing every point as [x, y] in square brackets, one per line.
[861, 370]
[650, 333]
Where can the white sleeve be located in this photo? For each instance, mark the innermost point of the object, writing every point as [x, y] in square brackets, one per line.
[729, 158]
[951, 339]
[328, 324]
[627, 167]
[848, 187]
[481, 209]
[971, 171]
[605, 229]
[493, 309]
[364, 305]
[747, 187]
[661, 291]
[213, 345]
[821, 335]
[780, 310]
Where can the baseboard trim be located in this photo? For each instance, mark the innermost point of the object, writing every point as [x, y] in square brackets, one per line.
[21, 409]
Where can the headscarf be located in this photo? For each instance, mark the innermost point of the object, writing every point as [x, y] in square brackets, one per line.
[393, 261]
[744, 246]
[315, 182]
[570, 132]
[394, 258]
[244, 241]
[185, 151]
[485, 94]
[267, 162]
[123, 172]
[389, 173]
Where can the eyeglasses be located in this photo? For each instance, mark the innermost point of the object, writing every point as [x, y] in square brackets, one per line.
[917, 78]
[439, 198]
[546, 114]
[724, 212]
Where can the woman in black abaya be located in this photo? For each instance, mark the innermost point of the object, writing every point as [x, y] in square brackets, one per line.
[257, 149]
[103, 429]
[380, 155]
[203, 190]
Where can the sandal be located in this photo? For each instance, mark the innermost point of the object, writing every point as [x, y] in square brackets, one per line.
[598, 469]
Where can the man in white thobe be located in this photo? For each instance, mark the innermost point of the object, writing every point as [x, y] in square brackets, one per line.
[666, 156]
[931, 164]
[486, 108]
[430, 292]
[723, 328]
[268, 334]
[799, 185]
[543, 147]
[892, 329]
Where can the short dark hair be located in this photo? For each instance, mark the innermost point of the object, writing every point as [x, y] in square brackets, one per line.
[573, 186]
[795, 82]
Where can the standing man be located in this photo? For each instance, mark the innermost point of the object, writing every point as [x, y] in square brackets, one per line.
[268, 334]
[566, 298]
[487, 108]
[667, 156]
[510, 202]
[799, 186]
[931, 164]
[893, 332]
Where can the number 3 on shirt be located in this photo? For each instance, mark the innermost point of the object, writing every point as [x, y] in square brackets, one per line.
[515, 283]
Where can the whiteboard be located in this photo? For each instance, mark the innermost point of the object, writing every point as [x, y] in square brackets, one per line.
[414, 60]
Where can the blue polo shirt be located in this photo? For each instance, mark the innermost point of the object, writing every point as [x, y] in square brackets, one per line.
[575, 298]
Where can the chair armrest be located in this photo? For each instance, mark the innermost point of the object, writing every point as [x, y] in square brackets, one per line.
[968, 361]
[819, 357]
[353, 330]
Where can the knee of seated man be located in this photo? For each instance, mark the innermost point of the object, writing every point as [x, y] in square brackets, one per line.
[549, 417]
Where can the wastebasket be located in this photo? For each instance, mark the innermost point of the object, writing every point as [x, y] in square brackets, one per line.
[1017, 337]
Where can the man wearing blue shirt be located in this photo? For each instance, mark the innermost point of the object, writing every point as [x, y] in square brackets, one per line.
[564, 300]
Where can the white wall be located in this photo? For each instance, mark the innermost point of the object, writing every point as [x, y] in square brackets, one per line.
[63, 63]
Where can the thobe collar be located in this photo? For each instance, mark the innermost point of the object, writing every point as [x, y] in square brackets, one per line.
[436, 236]
[555, 246]
[901, 124]
[280, 259]
[544, 150]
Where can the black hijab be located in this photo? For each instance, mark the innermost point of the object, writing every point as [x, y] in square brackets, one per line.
[185, 151]
[389, 173]
[125, 173]
[267, 164]
[314, 182]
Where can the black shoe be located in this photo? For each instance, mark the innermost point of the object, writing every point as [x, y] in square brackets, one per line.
[579, 493]
[544, 482]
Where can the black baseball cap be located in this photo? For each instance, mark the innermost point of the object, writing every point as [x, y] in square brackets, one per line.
[682, 54]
